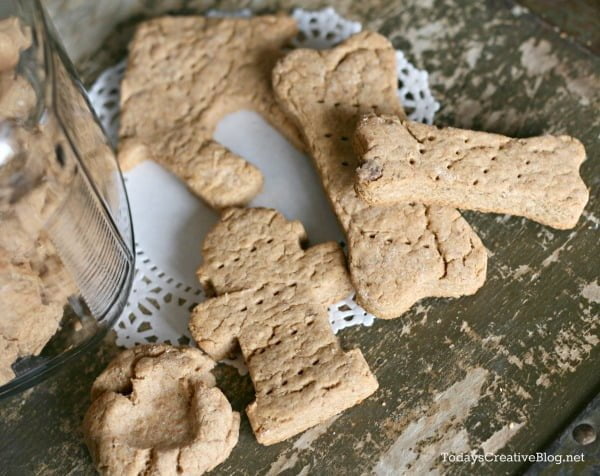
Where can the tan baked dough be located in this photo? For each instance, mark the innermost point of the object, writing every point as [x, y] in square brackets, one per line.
[15, 37]
[183, 75]
[397, 254]
[405, 161]
[156, 410]
[272, 298]
[29, 315]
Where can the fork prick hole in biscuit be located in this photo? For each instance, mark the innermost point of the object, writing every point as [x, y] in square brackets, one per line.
[345, 164]
[316, 362]
[411, 162]
[328, 135]
[344, 138]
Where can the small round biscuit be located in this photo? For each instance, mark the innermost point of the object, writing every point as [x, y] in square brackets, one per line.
[155, 410]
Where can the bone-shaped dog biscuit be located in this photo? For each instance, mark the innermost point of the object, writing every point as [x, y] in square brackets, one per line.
[537, 178]
[397, 254]
[272, 298]
[183, 75]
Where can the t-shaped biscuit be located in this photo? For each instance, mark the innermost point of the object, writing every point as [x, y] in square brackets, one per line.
[397, 254]
[405, 161]
[183, 75]
[272, 298]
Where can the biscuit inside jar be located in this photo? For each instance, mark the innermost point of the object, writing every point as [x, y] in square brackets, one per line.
[35, 285]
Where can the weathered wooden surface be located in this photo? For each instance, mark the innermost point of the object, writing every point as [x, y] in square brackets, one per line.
[504, 370]
[577, 20]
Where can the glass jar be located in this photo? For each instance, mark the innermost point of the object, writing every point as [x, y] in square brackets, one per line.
[66, 242]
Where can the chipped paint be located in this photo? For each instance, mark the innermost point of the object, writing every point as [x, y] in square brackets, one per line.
[282, 463]
[305, 441]
[593, 219]
[491, 342]
[501, 437]
[591, 292]
[543, 381]
[537, 57]
[441, 429]
[472, 54]
[518, 10]
[521, 271]
[308, 438]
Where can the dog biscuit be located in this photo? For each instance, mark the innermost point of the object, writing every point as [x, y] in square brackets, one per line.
[271, 298]
[397, 254]
[183, 75]
[156, 410]
[537, 178]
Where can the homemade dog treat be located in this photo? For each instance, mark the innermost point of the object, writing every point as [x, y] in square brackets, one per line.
[156, 410]
[30, 316]
[183, 75]
[14, 38]
[537, 178]
[398, 254]
[272, 298]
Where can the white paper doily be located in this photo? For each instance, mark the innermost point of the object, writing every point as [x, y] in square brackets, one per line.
[170, 226]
